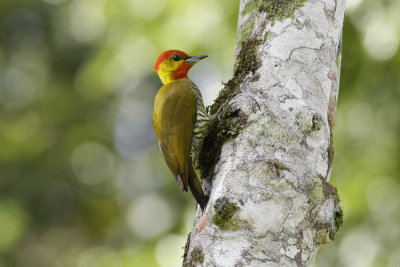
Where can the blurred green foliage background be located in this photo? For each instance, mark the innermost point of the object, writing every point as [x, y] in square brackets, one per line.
[82, 182]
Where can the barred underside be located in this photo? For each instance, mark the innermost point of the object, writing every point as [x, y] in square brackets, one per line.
[202, 119]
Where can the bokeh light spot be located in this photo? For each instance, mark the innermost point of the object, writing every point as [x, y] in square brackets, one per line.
[134, 131]
[383, 195]
[13, 221]
[92, 163]
[99, 257]
[141, 176]
[54, 2]
[381, 39]
[87, 20]
[18, 89]
[366, 249]
[150, 216]
[23, 27]
[394, 259]
[169, 250]
[148, 9]
[360, 120]
[352, 4]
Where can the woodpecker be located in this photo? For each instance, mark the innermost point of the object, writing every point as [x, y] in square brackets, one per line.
[179, 119]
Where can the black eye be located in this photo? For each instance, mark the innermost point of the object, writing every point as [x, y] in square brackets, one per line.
[177, 57]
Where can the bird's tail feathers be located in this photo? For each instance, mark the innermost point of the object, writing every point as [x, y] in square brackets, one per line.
[196, 189]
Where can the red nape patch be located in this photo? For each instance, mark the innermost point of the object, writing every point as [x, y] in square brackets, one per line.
[166, 55]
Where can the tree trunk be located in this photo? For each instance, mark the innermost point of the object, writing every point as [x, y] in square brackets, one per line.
[268, 153]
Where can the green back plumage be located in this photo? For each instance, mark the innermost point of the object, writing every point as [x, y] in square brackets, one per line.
[175, 120]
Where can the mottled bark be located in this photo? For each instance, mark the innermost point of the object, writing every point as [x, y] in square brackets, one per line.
[270, 200]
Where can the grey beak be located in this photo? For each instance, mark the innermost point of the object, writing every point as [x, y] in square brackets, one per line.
[194, 59]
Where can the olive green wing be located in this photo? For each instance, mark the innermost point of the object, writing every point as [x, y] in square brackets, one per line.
[174, 117]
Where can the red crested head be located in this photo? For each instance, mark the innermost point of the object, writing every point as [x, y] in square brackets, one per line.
[166, 55]
[173, 65]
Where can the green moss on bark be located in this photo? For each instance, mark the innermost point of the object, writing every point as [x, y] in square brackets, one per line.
[196, 258]
[321, 191]
[337, 61]
[246, 30]
[224, 214]
[309, 121]
[331, 153]
[219, 130]
[227, 124]
[317, 193]
[276, 10]
[338, 218]
[279, 166]
[323, 237]
[185, 254]
[246, 63]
